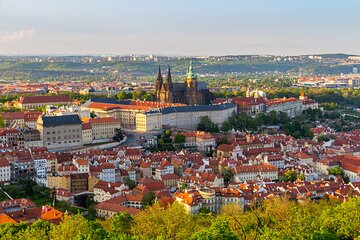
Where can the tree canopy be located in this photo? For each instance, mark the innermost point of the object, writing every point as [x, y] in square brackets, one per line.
[275, 218]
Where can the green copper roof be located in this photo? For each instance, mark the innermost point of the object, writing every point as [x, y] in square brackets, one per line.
[190, 73]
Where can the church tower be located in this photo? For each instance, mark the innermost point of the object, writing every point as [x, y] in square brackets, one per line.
[192, 96]
[159, 84]
[169, 87]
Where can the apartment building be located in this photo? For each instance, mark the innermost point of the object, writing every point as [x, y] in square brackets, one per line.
[60, 132]
[103, 128]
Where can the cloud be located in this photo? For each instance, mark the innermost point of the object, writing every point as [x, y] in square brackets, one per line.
[23, 34]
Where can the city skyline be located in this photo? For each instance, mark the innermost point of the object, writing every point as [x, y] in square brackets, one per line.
[161, 27]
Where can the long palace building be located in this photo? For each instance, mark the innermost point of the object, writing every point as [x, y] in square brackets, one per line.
[190, 92]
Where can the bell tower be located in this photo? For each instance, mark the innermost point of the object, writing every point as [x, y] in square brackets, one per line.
[192, 96]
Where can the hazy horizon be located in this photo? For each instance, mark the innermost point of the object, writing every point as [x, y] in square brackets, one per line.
[178, 28]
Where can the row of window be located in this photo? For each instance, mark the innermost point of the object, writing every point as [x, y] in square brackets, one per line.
[64, 142]
[65, 131]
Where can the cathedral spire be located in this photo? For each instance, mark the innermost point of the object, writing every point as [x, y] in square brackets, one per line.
[159, 80]
[191, 74]
[169, 80]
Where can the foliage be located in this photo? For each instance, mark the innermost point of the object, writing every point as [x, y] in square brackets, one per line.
[180, 138]
[291, 176]
[275, 218]
[336, 171]
[148, 199]
[130, 183]
[323, 138]
[219, 230]
[121, 224]
[119, 135]
[207, 125]
[223, 140]
[227, 174]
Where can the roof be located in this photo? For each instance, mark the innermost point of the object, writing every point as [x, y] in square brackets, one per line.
[6, 219]
[44, 99]
[111, 207]
[12, 115]
[255, 168]
[103, 120]
[49, 121]
[198, 108]
[225, 147]
[50, 214]
[86, 126]
[109, 100]
[111, 106]
[278, 101]
[4, 163]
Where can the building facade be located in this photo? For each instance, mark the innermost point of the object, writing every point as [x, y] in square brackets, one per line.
[190, 92]
[60, 132]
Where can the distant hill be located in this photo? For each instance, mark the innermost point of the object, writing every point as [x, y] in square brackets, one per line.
[332, 55]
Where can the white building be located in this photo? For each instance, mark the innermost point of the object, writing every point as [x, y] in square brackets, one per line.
[107, 173]
[253, 172]
[188, 117]
[291, 106]
[5, 172]
[60, 132]
[40, 167]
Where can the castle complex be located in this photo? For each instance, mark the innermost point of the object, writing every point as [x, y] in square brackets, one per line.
[190, 92]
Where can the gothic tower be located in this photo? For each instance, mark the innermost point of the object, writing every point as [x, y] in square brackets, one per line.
[169, 87]
[159, 85]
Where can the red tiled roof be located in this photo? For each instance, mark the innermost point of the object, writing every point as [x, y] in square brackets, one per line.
[12, 115]
[109, 106]
[86, 126]
[103, 120]
[225, 147]
[116, 208]
[255, 168]
[44, 99]
[278, 101]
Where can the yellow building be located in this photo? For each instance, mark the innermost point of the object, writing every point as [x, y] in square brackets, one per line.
[104, 128]
[59, 182]
[148, 121]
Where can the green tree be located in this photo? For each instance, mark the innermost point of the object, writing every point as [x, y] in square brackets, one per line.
[219, 230]
[342, 220]
[207, 125]
[29, 188]
[323, 138]
[119, 135]
[290, 176]
[336, 171]
[130, 183]
[180, 138]
[227, 174]
[1, 121]
[76, 227]
[223, 140]
[167, 132]
[121, 224]
[156, 222]
[226, 126]
[37, 230]
[148, 199]
[123, 96]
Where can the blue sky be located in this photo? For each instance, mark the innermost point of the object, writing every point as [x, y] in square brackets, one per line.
[182, 27]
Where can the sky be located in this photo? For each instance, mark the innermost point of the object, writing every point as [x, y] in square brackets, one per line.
[179, 27]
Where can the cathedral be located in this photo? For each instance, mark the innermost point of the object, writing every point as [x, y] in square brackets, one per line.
[190, 92]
